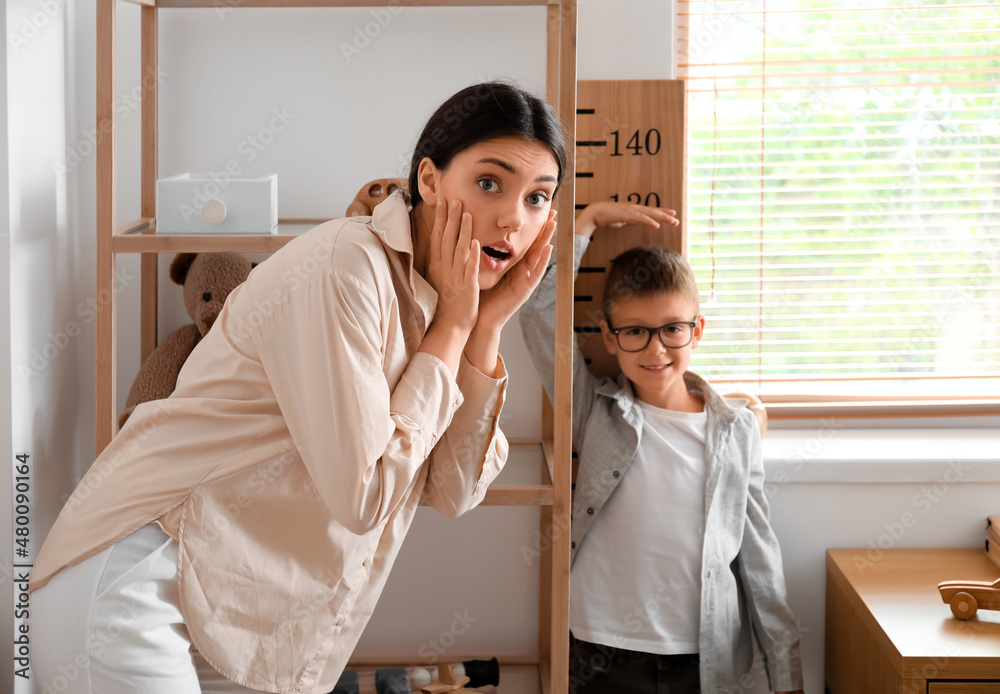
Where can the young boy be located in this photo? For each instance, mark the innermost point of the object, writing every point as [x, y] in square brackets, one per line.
[674, 563]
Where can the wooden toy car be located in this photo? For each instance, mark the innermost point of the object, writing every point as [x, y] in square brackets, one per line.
[965, 597]
[448, 682]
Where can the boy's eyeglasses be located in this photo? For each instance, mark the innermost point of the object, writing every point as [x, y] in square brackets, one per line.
[635, 338]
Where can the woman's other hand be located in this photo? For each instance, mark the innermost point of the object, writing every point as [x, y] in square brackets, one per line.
[497, 305]
[617, 214]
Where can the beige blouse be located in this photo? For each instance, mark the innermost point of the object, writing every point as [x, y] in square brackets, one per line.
[290, 459]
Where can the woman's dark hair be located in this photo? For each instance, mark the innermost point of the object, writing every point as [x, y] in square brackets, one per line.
[484, 112]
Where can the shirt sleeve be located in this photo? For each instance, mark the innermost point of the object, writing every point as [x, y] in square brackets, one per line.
[362, 443]
[538, 325]
[763, 578]
[473, 450]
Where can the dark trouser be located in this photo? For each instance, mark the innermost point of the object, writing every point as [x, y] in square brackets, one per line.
[597, 669]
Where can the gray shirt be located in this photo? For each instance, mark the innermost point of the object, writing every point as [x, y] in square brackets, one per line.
[743, 585]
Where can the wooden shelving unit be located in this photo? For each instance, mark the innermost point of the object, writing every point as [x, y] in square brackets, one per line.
[552, 493]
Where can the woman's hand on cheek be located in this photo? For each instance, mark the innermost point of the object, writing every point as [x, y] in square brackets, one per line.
[497, 305]
[453, 266]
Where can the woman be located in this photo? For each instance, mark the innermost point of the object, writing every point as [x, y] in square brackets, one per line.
[236, 535]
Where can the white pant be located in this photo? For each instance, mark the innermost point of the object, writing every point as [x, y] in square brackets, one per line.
[111, 625]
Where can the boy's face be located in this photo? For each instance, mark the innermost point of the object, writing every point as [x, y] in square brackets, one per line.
[656, 372]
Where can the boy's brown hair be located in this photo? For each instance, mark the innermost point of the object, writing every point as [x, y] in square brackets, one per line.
[647, 270]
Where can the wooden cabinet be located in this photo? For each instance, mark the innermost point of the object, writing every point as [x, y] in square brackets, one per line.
[991, 687]
[888, 631]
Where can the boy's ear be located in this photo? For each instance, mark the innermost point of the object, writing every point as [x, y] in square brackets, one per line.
[428, 181]
[699, 329]
[610, 342]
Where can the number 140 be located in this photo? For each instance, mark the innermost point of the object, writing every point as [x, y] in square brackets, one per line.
[650, 143]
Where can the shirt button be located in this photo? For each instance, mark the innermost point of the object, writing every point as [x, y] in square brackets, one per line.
[590, 511]
[708, 573]
[341, 620]
[616, 473]
[367, 561]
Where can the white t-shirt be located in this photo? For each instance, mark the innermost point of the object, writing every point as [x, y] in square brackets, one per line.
[636, 580]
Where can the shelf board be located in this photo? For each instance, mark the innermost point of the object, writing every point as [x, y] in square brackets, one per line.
[520, 494]
[140, 236]
[517, 495]
[349, 3]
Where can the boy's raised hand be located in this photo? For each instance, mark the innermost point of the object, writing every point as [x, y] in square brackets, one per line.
[616, 214]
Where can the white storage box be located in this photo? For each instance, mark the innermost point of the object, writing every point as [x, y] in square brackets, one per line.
[218, 203]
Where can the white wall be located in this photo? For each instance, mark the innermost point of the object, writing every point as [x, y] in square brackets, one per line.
[40, 387]
[6, 601]
[222, 76]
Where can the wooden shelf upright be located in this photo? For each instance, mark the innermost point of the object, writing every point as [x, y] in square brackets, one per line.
[139, 236]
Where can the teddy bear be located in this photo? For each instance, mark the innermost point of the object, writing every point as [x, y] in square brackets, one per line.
[374, 192]
[207, 278]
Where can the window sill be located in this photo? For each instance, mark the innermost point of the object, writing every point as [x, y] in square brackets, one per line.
[880, 408]
[828, 455]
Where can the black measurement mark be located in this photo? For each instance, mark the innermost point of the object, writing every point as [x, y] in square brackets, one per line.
[584, 111]
[586, 329]
[580, 206]
[583, 297]
[584, 174]
[591, 269]
[591, 143]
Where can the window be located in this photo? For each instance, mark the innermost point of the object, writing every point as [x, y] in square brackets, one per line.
[844, 216]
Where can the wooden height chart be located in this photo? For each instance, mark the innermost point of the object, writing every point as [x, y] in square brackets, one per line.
[630, 147]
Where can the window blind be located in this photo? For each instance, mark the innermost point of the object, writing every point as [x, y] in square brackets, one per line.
[844, 170]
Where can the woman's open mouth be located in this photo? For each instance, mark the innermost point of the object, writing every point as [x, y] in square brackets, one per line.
[497, 256]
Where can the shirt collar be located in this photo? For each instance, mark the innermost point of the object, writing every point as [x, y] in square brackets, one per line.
[727, 407]
[621, 391]
[391, 224]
